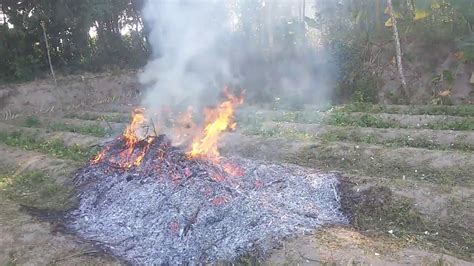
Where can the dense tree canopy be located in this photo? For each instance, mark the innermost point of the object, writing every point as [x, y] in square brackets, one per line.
[92, 35]
[68, 24]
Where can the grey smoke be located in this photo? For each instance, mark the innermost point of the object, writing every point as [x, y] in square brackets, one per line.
[185, 37]
[199, 46]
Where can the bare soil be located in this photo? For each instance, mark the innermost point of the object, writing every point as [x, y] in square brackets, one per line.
[430, 191]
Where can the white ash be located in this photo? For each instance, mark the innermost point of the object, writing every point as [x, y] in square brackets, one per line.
[148, 216]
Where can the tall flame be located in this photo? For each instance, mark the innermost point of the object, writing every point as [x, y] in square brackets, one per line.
[130, 134]
[131, 138]
[217, 120]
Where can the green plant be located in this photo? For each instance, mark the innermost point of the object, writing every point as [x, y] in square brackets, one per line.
[53, 147]
[34, 189]
[364, 120]
[88, 129]
[443, 124]
[32, 121]
[365, 90]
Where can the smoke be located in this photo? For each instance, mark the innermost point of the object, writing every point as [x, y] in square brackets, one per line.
[260, 46]
[188, 61]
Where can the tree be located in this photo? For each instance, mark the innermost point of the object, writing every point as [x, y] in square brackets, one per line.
[396, 38]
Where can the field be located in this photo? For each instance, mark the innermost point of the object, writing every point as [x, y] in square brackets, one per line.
[408, 177]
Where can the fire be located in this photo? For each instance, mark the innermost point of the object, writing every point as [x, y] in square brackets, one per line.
[100, 156]
[136, 141]
[217, 120]
[131, 137]
[143, 151]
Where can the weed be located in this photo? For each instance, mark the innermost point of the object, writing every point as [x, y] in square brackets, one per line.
[377, 161]
[94, 130]
[377, 212]
[32, 121]
[34, 189]
[364, 120]
[400, 141]
[55, 147]
[305, 117]
[459, 110]
[114, 118]
[277, 132]
[365, 90]
[88, 129]
[442, 124]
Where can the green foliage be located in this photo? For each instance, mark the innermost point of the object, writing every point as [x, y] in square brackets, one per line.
[299, 117]
[34, 189]
[365, 120]
[67, 22]
[442, 124]
[32, 121]
[377, 211]
[55, 148]
[368, 120]
[400, 141]
[365, 90]
[115, 118]
[359, 36]
[87, 129]
[94, 130]
[466, 46]
[458, 110]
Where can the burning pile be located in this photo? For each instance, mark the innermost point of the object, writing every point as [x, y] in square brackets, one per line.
[149, 202]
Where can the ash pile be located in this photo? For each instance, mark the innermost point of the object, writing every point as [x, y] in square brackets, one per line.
[158, 206]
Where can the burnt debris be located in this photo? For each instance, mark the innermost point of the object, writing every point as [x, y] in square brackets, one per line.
[172, 209]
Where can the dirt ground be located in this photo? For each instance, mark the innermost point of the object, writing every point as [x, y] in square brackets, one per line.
[410, 184]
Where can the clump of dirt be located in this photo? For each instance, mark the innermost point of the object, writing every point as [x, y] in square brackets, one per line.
[377, 212]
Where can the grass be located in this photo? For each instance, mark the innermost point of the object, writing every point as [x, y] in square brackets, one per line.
[352, 135]
[114, 118]
[305, 117]
[55, 148]
[259, 130]
[34, 189]
[365, 120]
[459, 110]
[377, 212]
[93, 130]
[462, 125]
[379, 162]
[369, 120]
[399, 141]
[344, 117]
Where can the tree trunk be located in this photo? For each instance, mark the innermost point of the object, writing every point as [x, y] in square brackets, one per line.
[47, 50]
[398, 47]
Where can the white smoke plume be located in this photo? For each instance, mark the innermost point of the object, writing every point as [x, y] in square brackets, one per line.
[189, 65]
[199, 46]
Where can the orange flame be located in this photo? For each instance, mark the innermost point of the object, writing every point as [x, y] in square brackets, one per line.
[131, 138]
[217, 120]
[130, 134]
[100, 156]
